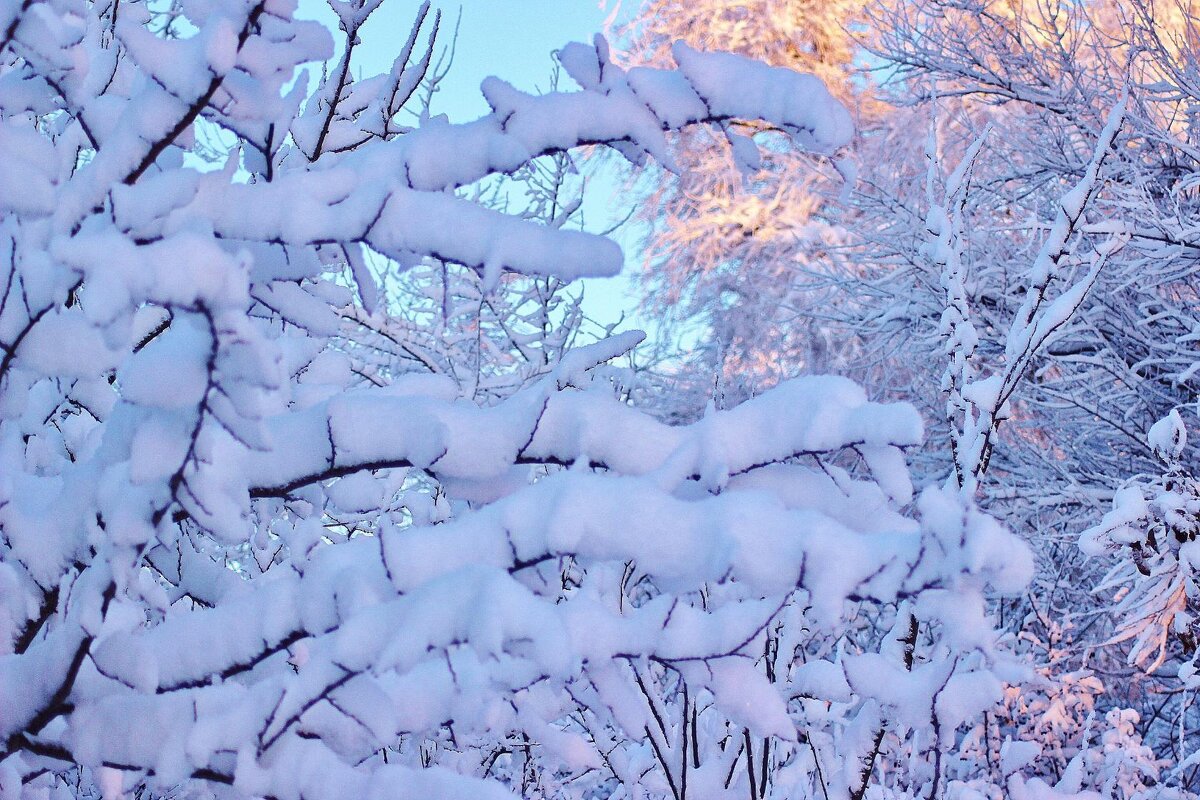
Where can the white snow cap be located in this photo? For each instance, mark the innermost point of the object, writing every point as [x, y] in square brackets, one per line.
[1168, 436]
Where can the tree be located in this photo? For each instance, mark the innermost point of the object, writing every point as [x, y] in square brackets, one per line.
[242, 554]
[921, 290]
[1042, 74]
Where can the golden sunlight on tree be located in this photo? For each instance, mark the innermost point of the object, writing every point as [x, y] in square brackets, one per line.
[706, 226]
[756, 255]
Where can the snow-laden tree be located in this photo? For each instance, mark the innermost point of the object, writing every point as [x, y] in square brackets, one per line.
[922, 289]
[1044, 75]
[254, 544]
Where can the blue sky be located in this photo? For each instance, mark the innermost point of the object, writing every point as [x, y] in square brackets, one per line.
[511, 39]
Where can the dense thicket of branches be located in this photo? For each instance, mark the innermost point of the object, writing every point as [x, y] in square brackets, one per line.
[966, 215]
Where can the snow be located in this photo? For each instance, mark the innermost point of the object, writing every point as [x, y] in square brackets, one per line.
[731, 85]
[171, 372]
[1168, 436]
[1123, 524]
